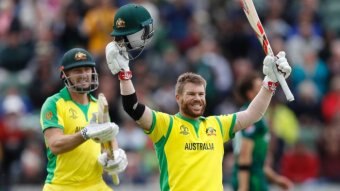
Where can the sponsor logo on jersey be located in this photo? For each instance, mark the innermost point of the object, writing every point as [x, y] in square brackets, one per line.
[184, 130]
[199, 146]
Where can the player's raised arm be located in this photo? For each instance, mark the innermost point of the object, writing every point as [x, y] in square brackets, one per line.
[132, 31]
[120, 65]
[259, 105]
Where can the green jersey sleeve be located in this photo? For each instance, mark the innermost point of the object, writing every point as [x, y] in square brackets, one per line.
[227, 123]
[159, 127]
[49, 116]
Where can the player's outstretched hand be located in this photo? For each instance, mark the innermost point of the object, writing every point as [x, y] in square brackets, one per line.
[116, 58]
[115, 166]
[100, 132]
[274, 66]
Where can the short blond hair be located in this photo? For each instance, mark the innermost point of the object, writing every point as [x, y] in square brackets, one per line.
[189, 77]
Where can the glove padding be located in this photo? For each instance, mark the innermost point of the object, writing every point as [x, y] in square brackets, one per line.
[116, 58]
[116, 165]
[272, 67]
[100, 133]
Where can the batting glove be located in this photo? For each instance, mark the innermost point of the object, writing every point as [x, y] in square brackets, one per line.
[116, 58]
[272, 67]
[100, 133]
[116, 165]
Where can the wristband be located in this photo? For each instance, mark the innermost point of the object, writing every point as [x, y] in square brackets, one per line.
[244, 167]
[125, 75]
[83, 133]
[272, 86]
[269, 85]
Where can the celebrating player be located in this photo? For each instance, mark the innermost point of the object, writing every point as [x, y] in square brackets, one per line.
[251, 169]
[71, 139]
[189, 146]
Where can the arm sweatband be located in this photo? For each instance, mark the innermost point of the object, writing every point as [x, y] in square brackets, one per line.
[132, 107]
[244, 167]
[255, 110]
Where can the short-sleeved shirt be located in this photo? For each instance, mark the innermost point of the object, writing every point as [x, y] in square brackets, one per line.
[259, 134]
[190, 152]
[78, 167]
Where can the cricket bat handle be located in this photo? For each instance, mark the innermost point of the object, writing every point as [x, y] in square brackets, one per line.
[282, 80]
[285, 88]
[115, 179]
[108, 147]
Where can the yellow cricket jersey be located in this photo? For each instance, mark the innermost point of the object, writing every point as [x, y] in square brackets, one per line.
[190, 152]
[77, 169]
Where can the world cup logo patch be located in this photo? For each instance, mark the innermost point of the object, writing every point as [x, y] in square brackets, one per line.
[184, 130]
[73, 113]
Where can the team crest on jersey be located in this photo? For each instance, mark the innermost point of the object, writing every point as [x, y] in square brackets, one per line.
[184, 130]
[49, 115]
[120, 23]
[210, 131]
[73, 113]
[80, 56]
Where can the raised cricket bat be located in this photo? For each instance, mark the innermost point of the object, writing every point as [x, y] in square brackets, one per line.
[103, 117]
[253, 18]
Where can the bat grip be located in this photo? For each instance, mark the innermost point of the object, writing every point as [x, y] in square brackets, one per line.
[285, 88]
[108, 147]
[282, 80]
[115, 179]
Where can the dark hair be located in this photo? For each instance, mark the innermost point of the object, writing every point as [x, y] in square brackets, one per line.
[245, 84]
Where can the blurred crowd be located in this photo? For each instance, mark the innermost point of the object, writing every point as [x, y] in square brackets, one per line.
[212, 38]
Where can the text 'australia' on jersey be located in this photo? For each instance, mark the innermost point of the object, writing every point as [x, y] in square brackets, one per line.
[190, 152]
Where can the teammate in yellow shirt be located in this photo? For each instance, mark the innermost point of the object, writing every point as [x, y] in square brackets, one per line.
[75, 161]
[189, 146]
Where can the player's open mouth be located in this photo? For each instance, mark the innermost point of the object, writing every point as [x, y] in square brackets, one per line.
[196, 107]
[83, 84]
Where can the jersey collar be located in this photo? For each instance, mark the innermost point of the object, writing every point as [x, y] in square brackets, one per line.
[200, 118]
[64, 93]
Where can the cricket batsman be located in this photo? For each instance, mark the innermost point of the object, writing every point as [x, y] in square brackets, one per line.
[189, 146]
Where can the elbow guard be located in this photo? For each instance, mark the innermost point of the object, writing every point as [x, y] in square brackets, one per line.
[132, 107]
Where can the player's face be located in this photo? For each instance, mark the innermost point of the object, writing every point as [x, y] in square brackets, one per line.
[192, 101]
[80, 77]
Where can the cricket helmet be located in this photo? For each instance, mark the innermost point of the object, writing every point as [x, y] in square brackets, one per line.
[133, 27]
[74, 58]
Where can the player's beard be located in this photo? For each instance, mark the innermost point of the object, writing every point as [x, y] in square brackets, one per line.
[81, 83]
[188, 110]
